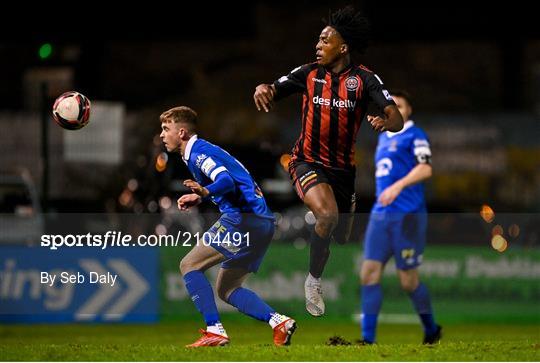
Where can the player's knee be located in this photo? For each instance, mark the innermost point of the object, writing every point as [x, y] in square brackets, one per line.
[369, 278]
[326, 223]
[409, 284]
[409, 280]
[186, 266]
[370, 274]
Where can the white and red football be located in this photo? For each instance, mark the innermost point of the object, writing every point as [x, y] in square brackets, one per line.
[71, 110]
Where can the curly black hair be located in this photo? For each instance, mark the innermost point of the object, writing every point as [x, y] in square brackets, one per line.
[353, 27]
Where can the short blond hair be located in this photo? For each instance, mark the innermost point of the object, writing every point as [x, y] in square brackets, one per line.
[180, 114]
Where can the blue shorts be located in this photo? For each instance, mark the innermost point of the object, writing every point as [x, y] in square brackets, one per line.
[402, 235]
[242, 238]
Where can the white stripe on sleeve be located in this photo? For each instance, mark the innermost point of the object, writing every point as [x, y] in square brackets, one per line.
[216, 172]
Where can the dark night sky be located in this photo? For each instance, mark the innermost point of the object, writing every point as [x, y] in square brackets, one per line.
[392, 20]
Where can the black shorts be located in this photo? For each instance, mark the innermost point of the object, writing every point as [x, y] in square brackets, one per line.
[306, 175]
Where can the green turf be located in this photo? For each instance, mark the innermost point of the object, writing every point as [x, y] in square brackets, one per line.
[251, 341]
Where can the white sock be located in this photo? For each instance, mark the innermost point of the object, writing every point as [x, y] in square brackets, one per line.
[276, 319]
[217, 329]
[315, 279]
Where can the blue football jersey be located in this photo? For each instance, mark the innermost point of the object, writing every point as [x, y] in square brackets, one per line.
[397, 154]
[205, 161]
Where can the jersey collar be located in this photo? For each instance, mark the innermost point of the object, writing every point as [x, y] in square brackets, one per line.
[407, 125]
[343, 71]
[187, 151]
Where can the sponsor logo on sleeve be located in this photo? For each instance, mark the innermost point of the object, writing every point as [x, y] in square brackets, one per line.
[283, 79]
[207, 166]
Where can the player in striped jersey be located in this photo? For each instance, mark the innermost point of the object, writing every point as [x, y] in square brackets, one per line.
[336, 94]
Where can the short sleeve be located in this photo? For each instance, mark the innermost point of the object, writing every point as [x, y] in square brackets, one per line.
[294, 82]
[375, 90]
[421, 148]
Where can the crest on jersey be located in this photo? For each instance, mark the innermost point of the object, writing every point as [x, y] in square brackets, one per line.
[351, 83]
[383, 167]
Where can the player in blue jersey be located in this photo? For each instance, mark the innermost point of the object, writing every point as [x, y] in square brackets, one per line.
[238, 240]
[398, 221]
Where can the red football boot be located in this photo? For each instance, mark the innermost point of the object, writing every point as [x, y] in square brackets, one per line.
[209, 340]
[284, 331]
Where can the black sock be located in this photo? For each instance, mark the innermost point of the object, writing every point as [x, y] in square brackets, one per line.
[318, 254]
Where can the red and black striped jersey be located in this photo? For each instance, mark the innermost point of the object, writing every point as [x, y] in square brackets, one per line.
[333, 106]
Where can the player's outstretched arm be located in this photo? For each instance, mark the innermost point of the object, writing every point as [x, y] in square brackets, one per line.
[391, 122]
[264, 96]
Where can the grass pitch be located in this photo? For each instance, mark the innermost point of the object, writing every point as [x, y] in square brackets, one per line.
[252, 341]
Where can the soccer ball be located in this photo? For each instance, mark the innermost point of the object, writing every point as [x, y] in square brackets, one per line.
[71, 110]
